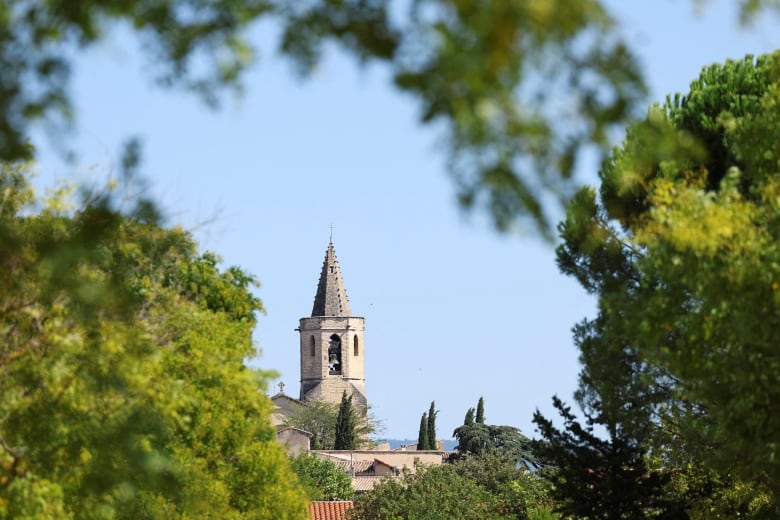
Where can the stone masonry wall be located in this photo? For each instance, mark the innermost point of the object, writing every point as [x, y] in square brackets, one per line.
[316, 380]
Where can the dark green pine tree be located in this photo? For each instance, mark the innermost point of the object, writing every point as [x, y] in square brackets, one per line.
[598, 478]
[481, 411]
[469, 420]
[431, 426]
[346, 436]
[422, 436]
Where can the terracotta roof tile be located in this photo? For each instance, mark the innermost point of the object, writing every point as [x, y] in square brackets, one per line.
[358, 466]
[320, 510]
[366, 483]
[344, 462]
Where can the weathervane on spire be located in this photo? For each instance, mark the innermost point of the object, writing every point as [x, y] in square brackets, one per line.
[331, 233]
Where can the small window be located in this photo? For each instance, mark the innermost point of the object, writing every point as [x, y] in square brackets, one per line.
[355, 347]
[334, 355]
[311, 347]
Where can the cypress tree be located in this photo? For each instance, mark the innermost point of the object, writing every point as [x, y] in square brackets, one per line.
[481, 411]
[422, 436]
[469, 420]
[346, 437]
[432, 413]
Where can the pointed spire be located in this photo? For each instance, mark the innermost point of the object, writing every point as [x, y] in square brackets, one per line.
[331, 298]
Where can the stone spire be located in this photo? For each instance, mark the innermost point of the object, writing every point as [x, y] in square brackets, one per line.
[331, 298]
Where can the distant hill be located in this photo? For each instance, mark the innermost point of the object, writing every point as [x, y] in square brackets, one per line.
[449, 444]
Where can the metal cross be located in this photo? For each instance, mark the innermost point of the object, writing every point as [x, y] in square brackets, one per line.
[281, 387]
[331, 233]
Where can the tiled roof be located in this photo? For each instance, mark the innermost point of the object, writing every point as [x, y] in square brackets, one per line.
[366, 483]
[330, 510]
[283, 428]
[331, 456]
[331, 298]
[397, 459]
[345, 462]
[358, 466]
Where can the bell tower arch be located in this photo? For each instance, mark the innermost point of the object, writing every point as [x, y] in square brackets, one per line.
[331, 342]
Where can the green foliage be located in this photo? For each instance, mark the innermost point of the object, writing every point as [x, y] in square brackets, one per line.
[346, 422]
[483, 70]
[491, 72]
[422, 435]
[36, 37]
[319, 419]
[542, 514]
[426, 437]
[469, 419]
[476, 68]
[487, 438]
[321, 478]
[710, 495]
[480, 411]
[595, 478]
[477, 438]
[681, 249]
[431, 426]
[477, 488]
[124, 392]
[520, 493]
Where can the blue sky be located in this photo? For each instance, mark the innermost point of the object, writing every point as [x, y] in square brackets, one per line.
[453, 310]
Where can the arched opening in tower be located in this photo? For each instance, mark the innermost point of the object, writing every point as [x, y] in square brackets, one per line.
[334, 355]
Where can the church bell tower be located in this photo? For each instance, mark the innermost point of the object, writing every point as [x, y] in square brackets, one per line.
[332, 348]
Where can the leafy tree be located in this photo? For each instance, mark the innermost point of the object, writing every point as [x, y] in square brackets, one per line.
[477, 488]
[707, 494]
[481, 411]
[519, 491]
[595, 478]
[474, 89]
[318, 418]
[487, 438]
[321, 478]
[477, 438]
[680, 248]
[422, 435]
[346, 435]
[124, 392]
[472, 439]
[472, 66]
[431, 426]
[630, 475]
